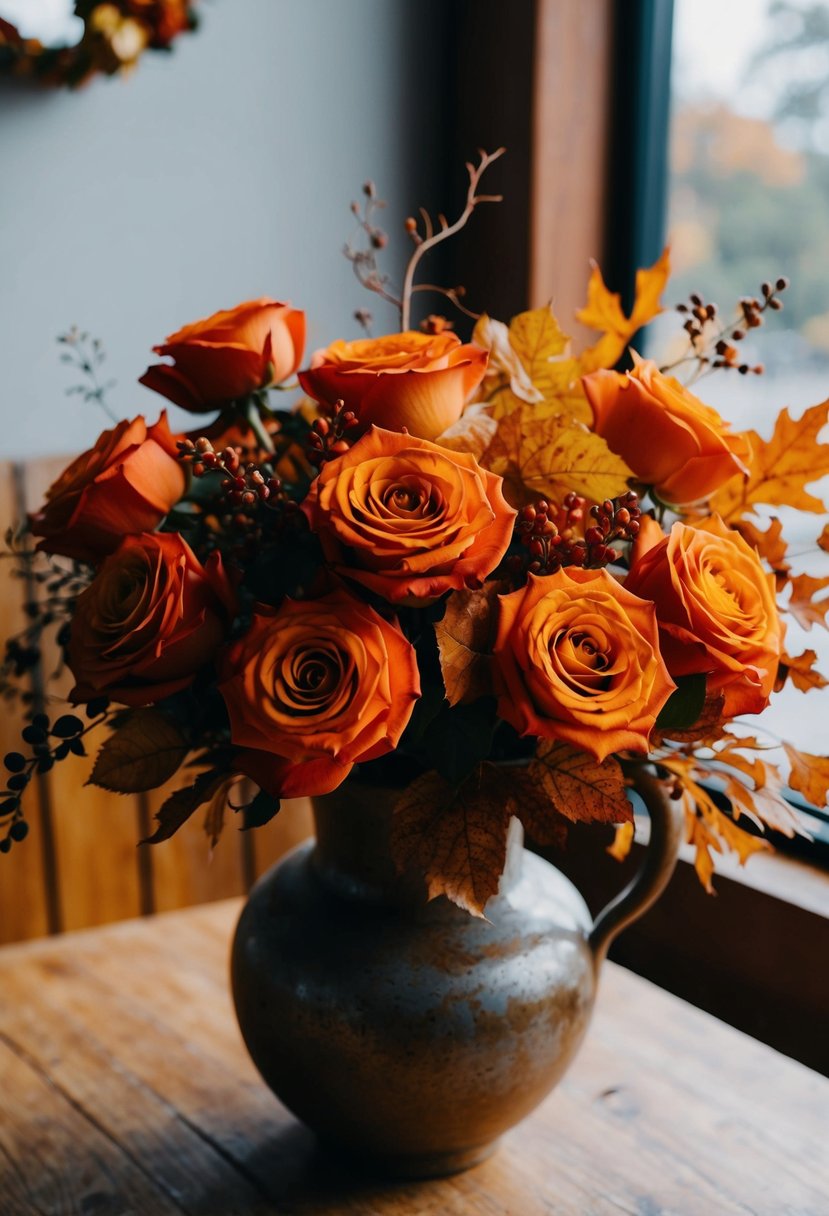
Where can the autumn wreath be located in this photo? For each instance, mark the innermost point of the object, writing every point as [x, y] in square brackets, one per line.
[449, 555]
[115, 35]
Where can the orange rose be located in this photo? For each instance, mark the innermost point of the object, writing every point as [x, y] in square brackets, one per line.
[408, 519]
[577, 658]
[126, 483]
[315, 687]
[666, 435]
[419, 382]
[716, 610]
[229, 355]
[151, 617]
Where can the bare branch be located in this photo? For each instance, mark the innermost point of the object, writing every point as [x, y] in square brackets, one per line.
[447, 229]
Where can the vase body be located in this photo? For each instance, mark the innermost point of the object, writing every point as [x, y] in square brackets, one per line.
[404, 1031]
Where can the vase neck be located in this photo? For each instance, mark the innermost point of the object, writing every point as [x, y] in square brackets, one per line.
[352, 854]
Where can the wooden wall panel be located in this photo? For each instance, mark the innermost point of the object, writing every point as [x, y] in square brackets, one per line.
[571, 113]
[95, 831]
[23, 904]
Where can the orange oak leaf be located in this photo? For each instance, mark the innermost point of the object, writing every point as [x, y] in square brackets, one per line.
[548, 457]
[800, 669]
[780, 467]
[769, 544]
[802, 604]
[579, 787]
[456, 837]
[464, 638]
[823, 539]
[809, 775]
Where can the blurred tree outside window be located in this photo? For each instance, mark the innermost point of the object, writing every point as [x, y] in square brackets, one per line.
[749, 201]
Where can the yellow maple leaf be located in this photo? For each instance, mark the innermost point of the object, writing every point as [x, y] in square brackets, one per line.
[531, 362]
[809, 775]
[604, 312]
[780, 467]
[548, 457]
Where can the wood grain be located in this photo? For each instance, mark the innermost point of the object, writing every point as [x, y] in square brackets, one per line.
[95, 831]
[569, 162]
[23, 907]
[120, 1044]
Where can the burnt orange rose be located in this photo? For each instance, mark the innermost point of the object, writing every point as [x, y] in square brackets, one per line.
[666, 435]
[408, 519]
[229, 355]
[418, 381]
[126, 483]
[577, 659]
[151, 617]
[315, 687]
[716, 610]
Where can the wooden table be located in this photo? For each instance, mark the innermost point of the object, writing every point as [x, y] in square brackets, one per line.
[125, 1088]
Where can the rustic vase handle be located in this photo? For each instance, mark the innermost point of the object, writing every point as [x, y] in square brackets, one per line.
[667, 823]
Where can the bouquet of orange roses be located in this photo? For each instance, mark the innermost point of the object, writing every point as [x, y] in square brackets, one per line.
[495, 574]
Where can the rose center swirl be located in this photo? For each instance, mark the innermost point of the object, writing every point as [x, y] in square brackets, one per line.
[308, 678]
[581, 660]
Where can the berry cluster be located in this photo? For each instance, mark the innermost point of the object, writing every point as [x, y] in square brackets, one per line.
[719, 350]
[328, 437]
[556, 537]
[243, 483]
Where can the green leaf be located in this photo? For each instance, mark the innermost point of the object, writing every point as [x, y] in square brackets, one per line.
[178, 808]
[684, 707]
[143, 752]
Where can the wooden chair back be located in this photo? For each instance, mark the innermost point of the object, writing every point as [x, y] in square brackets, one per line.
[80, 864]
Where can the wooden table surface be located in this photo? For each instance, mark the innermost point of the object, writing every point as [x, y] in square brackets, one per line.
[125, 1088]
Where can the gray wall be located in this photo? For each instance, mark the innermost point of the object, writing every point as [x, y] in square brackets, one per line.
[216, 174]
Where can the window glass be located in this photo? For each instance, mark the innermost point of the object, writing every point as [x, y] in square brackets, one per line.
[748, 202]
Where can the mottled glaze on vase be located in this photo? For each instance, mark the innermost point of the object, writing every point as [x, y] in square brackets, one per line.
[404, 1031]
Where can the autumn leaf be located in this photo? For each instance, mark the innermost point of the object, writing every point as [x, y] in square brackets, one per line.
[531, 362]
[823, 539]
[800, 669]
[537, 338]
[802, 605]
[548, 457]
[464, 638]
[709, 829]
[780, 468]
[579, 787]
[809, 775]
[141, 754]
[769, 544]
[456, 837]
[604, 312]
[622, 841]
[178, 808]
[708, 727]
[473, 432]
